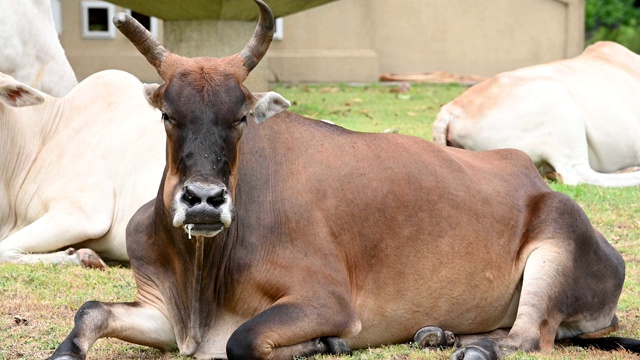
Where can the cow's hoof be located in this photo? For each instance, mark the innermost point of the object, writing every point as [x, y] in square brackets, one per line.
[90, 259]
[479, 350]
[336, 345]
[432, 336]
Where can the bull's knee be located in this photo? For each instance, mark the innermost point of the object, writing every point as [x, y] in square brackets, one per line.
[244, 346]
[92, 313]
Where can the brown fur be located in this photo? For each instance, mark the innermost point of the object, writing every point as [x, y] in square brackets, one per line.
[347, 240]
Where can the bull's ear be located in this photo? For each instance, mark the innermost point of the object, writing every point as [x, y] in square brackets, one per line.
[267, 105]
[17, 94]
[150, 94]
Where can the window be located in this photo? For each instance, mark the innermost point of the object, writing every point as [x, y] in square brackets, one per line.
[149, 22]
[96, 20]
[279, 34]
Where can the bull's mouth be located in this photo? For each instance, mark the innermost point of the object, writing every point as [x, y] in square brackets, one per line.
[203, 229]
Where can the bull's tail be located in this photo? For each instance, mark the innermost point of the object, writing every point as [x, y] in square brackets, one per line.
[441, 125]
[608, 343]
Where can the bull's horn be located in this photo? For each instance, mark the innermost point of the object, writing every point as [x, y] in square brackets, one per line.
[261, 39]
[141, 38]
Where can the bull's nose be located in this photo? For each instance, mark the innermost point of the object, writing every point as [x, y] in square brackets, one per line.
[196, 194]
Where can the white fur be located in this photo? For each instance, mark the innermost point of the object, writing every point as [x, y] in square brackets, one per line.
[16, 94]
[581, 116]
[53, 192]
[31, 51]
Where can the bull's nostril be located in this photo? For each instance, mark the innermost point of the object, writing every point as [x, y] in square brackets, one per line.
[218, 199]
[189, 197]
[197, 195]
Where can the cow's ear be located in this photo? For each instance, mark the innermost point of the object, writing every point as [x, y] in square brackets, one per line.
[17, 94]
[267, 105]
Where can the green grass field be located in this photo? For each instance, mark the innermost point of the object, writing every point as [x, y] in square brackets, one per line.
[37, 303]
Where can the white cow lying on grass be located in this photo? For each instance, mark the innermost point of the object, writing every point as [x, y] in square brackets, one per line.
[30, 50]
[580, 116]
[73, 170]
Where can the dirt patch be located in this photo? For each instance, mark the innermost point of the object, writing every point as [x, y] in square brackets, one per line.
[436, 77]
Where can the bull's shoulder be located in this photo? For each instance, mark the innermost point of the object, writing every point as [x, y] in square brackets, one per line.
[140, 228]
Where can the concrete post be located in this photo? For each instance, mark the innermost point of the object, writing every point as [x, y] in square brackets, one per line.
[215, 38]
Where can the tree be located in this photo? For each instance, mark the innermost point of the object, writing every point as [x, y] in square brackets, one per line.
[613, 20]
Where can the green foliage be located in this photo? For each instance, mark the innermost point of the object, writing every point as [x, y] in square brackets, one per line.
[608, 13]
[613, 20]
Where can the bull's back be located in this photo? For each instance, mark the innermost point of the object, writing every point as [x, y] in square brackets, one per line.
[398, 216]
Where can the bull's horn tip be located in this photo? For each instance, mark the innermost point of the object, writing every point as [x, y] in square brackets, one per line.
[119, 18]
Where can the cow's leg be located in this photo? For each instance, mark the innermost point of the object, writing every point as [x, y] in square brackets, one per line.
[568, 154]
[294, 329]
[39, 241]
[579, 171]
[133, 322]
[570, 286]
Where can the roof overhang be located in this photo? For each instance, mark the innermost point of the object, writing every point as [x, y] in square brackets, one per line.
[215, 9]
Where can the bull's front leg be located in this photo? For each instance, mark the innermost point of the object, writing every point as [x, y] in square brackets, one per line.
[288, 330]
[134, 322]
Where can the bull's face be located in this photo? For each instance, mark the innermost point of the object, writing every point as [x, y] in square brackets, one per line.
[204, 108]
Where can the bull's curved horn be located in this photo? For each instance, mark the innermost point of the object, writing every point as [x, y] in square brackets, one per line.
[141, 38]
[261, 39]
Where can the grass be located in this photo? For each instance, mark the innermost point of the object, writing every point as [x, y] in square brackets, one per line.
[38, 302]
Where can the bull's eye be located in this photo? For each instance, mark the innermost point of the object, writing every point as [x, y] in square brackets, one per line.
[244, 119]
[165, 117]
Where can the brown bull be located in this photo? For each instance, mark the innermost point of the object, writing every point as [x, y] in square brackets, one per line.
[302, 237]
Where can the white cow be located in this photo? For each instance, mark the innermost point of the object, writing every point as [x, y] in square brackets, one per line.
[580, 116]
[30, 50]
[73, 170]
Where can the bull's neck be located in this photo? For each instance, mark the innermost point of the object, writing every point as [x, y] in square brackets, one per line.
[197, 289]
[198, 277]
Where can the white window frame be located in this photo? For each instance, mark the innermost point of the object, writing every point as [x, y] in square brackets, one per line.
[153, 23]
[110, 33]
[279, 34]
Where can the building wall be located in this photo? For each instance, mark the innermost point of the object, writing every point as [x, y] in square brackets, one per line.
[357, 40]
[88, 56]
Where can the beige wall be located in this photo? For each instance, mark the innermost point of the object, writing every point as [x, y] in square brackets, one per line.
[217, 38]
[357, 40]
[88, 56]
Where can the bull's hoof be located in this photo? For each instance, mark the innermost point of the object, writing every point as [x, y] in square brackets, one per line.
[62, 354]
[90, 259]
[479, 350]
[432, 336]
